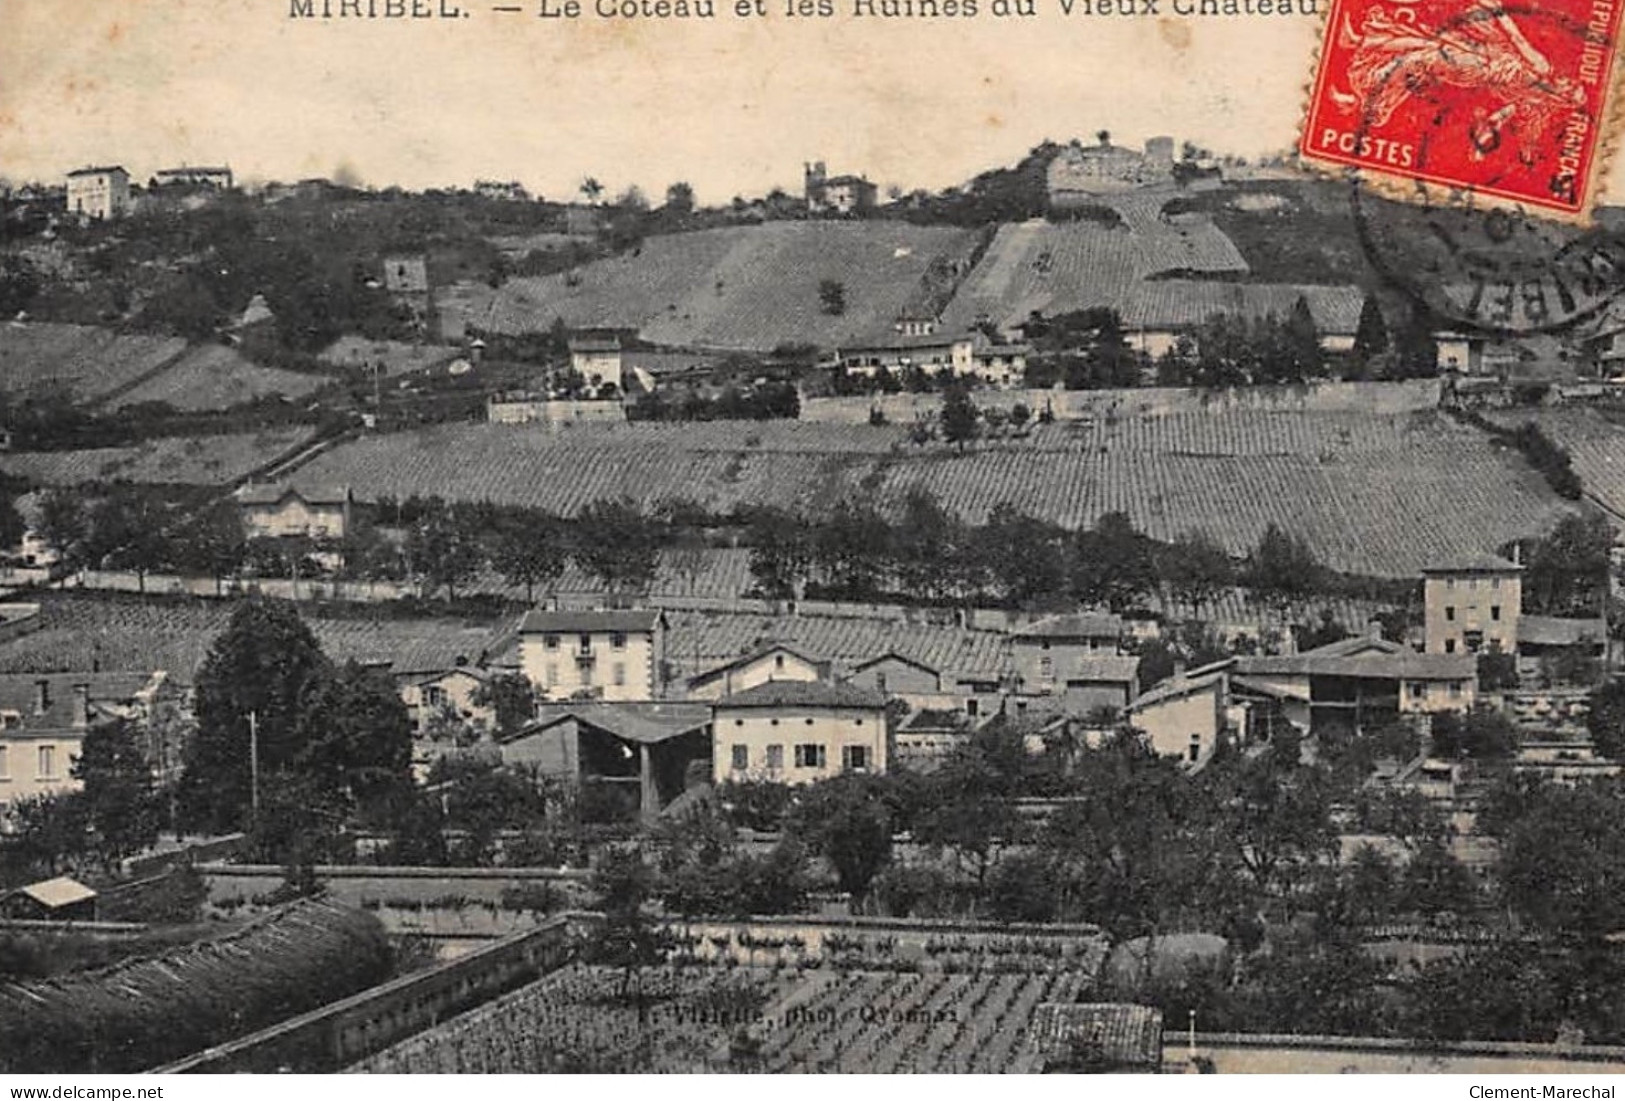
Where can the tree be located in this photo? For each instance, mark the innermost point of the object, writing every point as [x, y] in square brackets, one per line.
[529, 552]
[267, 664]
[780, 551]
[592, 190]
[1482, 734]
[214, 543]
[926, 545]
[851, 547]
[64, 524]
[1371, 336]
[1196, 568]
[1274, 812]
[680, 199]
[970, 804]
[1282, 566]
[1112, 564]
[1021, 553]
[1562, 862]
[512, 697]
[127, 533]
[356, 737]
[629, 939]
[1566, 572]
[1606, 720]
[832, 296]
[846, 821]
[119, 797]
[442, 550]
[618, 544]
[959, 414]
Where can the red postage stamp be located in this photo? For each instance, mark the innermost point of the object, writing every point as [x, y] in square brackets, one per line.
[1505, 99]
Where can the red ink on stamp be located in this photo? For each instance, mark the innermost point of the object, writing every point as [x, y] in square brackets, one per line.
[1496, 98]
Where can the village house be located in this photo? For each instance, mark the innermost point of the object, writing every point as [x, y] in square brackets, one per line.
[44, 719]
[286, 511]
[776, 662]
[932, 353]
[599, 655]
[795, 732]
[1472, 606]
[1076, 656]
[640, 755]
[828, 194]
[99, 193]
[596, 359]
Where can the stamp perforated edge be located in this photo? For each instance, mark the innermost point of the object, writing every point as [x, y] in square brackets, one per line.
[1418, 192]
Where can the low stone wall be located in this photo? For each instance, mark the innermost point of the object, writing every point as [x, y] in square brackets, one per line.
[333, 1037]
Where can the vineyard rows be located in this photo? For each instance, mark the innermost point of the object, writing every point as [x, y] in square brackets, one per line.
[1595, 443]
[817, 1021]
[180, 460]
[216, 377]
[84, 359]
[1378, 495]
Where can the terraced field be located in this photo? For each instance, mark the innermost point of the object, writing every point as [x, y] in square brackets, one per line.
[1372, 494]
[213, 376]
[87, 361]
[749, 287]
[181, 460]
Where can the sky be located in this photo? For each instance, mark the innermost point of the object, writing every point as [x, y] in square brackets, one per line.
[731, 105]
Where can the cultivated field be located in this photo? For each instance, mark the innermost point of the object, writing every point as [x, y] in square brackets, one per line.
[1381, 495]
[179, 460]
[745, 1019]
[213, 376]
[1055, 268]
[393, 356]
[750, 287]
[87, 361]
[1593, 441]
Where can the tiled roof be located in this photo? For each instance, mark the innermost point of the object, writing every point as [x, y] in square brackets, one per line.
[100, 170]
[644, 723]
[756, 655]
[1474, 563]
[1404, 665]
[563, 621]
[274, 493]
[19, 692]
[800, 693]
[1081, 625]
[1542, 630]
[1176, 687]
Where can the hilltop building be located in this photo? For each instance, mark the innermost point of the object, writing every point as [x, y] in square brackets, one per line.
[596, 359]
[218, 178]
[100, 193]
[828, 194]
[1079, 173]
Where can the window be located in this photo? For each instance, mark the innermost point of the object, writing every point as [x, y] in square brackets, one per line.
[617, 641]
[739, 722]
[1495, 582]
[551, 673]
[550, 641]
[1449, 645]
[434, 695]
[1046, 668]
[1450, 612]
[1455, 689]
[973, 707]
[1495, 612]
[778, 661]
[810, 755]
[775, 722]
[775, 758]
[1196, 747]
[620, 672]
[1417, 689]
[47, 762]
[741, 758]
[586, 645]
[855, 758]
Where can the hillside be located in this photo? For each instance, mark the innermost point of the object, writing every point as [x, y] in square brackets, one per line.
[1059, 267]
[1595, 443]
[177, 460]
[745, 287]
[1373, 494]
[87, 361]
[214, 377]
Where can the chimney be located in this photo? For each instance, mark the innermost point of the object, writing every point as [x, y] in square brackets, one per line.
[1179, 668]
[81, 706]
[1373, 630]
[42, 696]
